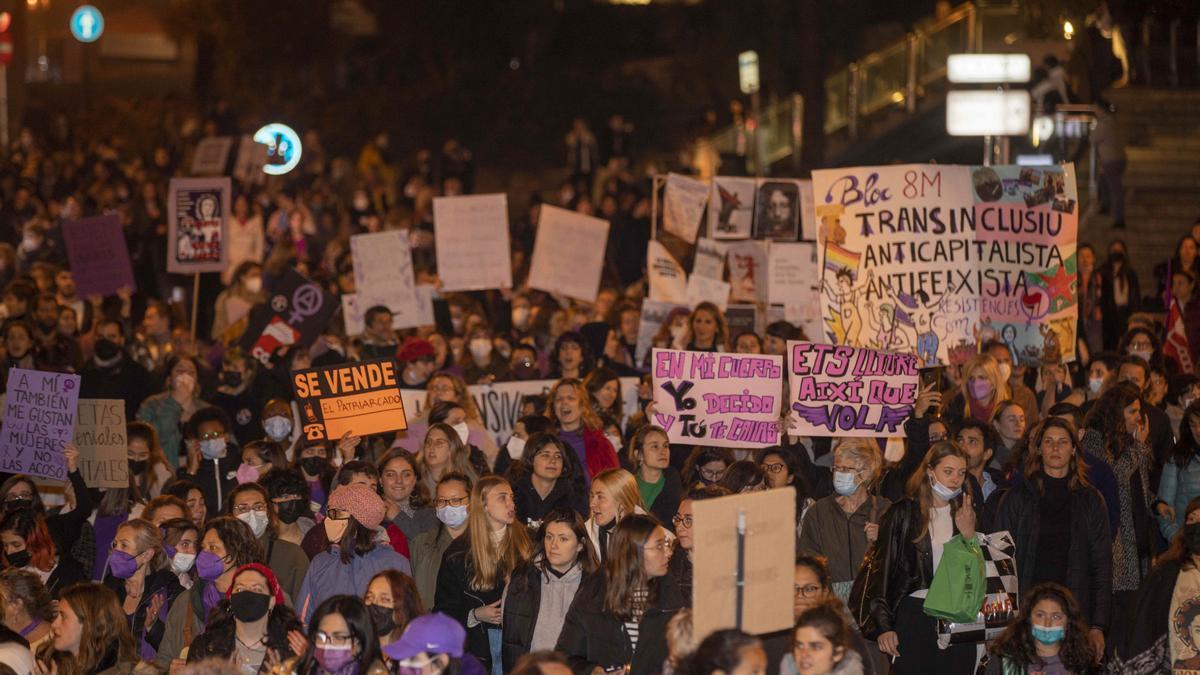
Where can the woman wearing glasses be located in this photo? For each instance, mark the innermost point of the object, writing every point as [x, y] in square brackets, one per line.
[477, 566]
[781, 468]
[341, 641]
[443, 452]
[619, 618]
[706, 466]
[251, 504]
[681, 562]
[355, 556]
[812, 588]
[1059, 524]
[843, 525]
[450, 502]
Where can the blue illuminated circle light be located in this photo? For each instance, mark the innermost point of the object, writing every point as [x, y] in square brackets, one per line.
[283, 148]
[87, 24]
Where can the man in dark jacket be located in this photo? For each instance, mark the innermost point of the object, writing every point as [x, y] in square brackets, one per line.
[212, 458]
[112, 373]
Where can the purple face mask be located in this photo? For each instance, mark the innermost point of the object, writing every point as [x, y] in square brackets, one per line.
[209, 566]
[981, 389]
[339, 660]
[121, 564]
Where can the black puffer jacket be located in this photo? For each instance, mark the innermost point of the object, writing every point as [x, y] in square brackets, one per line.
[895, 567]
[593, 638]
[1089, 556]
[531, 508]
[522, 606]
[455, 597]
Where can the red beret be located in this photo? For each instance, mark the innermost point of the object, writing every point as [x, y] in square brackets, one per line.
[414, 349]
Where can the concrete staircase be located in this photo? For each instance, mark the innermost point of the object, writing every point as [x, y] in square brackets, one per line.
[1162, 181]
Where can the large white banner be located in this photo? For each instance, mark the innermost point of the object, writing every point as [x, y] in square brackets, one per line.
[383, 275]
[568, 254]
[471, 238]
[683, 205]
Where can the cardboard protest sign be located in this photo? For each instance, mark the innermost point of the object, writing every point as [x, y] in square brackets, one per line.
[383, 274]
[684, 200]
[39, 420]
[98, 255]
[359, 398]
[769, 562]
[709, 260]
[725, 400]
[794, 282]
[198, 220]
[777, 212]
[654, 315]
[100, 437]
[748, 271]
[296, 312]
[471, 241]
[701, 289]
[731, 212]
[211, 156]
[251, 158]
[846, 391]
[935, 260]
[568, 254]
[668, 281]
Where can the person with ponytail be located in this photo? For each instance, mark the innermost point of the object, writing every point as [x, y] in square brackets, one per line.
[252, 626]
[892, 583]
[141, 576]
[477, 566]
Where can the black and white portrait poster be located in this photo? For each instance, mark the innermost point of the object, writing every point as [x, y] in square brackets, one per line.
[777, 210]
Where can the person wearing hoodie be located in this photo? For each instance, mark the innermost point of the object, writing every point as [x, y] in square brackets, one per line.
[548, 478]
[355, 555]
[211, 461]
[540, 593]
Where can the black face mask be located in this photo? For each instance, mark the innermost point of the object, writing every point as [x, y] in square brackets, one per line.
[384, 619]
[18, 559]
[1191, 538]
[313, 466]
[47, 326]
[138, 467]
[291, 510]
[248, 606]
[106, 349]
[231, 378]
[18, 503]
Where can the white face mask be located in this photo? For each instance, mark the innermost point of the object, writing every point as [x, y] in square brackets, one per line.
[481, 348]
[1094, 384]
[1005, 371]
[462, 430]
[253, 284]
[515, 447]
[257, 520]
[520, 317]
[616, 442]
[1144, 355]
[183, 562]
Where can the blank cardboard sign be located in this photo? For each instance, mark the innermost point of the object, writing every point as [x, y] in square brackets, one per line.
[770, 557]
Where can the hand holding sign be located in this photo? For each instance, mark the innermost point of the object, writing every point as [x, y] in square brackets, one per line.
[345, 401]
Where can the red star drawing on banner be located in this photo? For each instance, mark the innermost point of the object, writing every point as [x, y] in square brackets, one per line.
[1059, 285]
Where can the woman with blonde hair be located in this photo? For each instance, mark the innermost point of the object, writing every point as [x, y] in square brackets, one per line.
[477, 566]
[141, 576]
[707, 331]
[613, 496]
[579, 427]
[443, 452]
[889, 594]
[982, 386]
[90, 634]
[842, 526]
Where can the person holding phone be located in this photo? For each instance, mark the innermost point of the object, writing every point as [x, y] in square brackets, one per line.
[894, 580]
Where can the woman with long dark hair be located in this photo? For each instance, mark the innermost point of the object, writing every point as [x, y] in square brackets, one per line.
[727, 652]
[619, 618]
[548, 477]
[251, 622]
[540, 592]
[1180, 482]
[392, 601]
[894, 581]
[1048, 635]
[20, 491]
[1058, 522]
[341, 640]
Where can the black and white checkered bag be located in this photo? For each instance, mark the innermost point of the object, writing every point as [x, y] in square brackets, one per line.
[1000, 601]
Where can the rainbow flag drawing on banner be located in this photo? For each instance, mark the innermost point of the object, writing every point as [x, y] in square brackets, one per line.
[837, 258]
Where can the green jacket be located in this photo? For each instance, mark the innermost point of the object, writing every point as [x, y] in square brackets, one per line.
[163, 413]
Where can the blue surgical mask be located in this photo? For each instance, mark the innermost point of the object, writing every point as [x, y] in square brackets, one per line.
[278, 428]
[944, 492]
[452, 516]
[844, 483]
[212, 448]
[1049, 635]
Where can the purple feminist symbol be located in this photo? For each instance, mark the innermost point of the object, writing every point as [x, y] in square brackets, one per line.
[306, 301]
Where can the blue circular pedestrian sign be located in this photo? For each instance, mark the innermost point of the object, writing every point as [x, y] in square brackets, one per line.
[283, 148]
[87, 24]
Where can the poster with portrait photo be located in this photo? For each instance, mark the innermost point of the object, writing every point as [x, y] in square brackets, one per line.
[731, 208]
[777, 210]
[198, 210]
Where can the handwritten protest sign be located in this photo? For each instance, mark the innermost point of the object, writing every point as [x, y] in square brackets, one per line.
[726, 400]
[668, 281]
[935, 259]
[472, 246]
[794, 281]
[211, 155]
[568, 254]
[847, 391]
[197, 218]
[360, 398]
[684, 200]
[383, 274]
[296, 312]
[39, 420]
[100, 437]
[98, 255]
